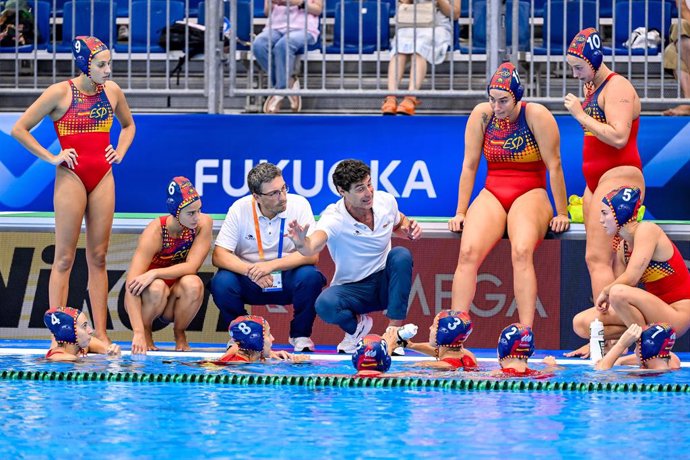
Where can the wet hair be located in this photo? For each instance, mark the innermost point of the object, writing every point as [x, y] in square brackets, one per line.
[350, 172]
[261, 174]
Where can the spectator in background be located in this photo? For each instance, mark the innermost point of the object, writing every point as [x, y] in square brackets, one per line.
[292, 26]
[16, 24]
[257, 264]
[421, 45]
[679, 48]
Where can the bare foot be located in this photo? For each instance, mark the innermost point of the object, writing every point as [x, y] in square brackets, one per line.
[181, 343]
[679, 110]
[582, 352]
[151, 346]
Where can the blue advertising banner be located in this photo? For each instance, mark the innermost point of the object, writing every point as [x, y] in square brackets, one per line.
[417, 159]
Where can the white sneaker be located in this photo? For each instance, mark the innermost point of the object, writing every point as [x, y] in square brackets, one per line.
[350, 341]
[302, 343]
[399, 351]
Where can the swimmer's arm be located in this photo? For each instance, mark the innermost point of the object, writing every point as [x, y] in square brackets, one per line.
[474, 141]
[619, 109]
[124, 116]
[627, 360]
[197, 253]
[42, 107]
[62, 357]
[545, 130]
[646, 240]
[628, 338]
[422, 347]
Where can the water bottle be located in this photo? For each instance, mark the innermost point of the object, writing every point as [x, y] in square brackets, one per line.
[405, 333]
[596, 340]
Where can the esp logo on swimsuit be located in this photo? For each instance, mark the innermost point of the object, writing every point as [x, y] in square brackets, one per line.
[514, 143]
[98, 111]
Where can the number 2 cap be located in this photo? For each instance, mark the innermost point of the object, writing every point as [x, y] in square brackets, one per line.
[515, 341]
[248, 332]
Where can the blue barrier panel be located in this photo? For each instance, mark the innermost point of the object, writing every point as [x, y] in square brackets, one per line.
[417, 159]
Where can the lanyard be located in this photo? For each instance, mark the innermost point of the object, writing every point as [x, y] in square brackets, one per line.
[258, 234]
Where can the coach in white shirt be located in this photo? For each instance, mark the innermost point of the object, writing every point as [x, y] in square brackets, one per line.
[369, 275]
[258, 264]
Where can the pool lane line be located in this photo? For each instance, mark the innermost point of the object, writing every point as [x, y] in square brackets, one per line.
[345, 381]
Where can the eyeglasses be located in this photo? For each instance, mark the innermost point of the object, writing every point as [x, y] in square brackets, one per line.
[276, 193]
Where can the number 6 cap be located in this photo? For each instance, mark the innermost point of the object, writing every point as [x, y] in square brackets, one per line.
[656, 341]
[586, 45]
[84, 49]
[452, 329]
[248, 332]
[515, 341]
[624, 203]
[62, 323]
[181, 193]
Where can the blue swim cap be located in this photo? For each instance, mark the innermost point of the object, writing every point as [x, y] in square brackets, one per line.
[656, 341]
[452, 329]
[181, 193]
[624, 202]
[248, 332]
[515, 341]
[587, 45]
[84, 49]
[506, 79]
[62, 323]
[372, 354]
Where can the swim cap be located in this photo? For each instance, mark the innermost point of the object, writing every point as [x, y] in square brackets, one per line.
[62, 323]
[372, 354]
[587, 45]
[84, 49]
[248, 332]
[624, 202]
[452, 329]
[656, 341]
[506, 79]
[515, 341]
[181, 193]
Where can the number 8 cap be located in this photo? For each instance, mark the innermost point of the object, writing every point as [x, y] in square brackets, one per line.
[452, 329]
[587, 45]
[248, 332]
[515, 341]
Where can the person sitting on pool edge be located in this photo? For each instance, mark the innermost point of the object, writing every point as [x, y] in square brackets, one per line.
[253, 340]
[653, 349]
[515, 347]
[73, 335]
[447, 336]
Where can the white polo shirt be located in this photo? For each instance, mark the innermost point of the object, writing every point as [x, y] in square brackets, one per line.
[357, 250]
[239, 235]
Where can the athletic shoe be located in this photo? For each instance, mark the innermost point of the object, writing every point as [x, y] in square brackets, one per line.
[399, 351]
[350, 341]
[302, 343]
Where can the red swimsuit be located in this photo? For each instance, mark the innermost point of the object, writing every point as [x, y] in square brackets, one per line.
[668, 280]
[466, 362]
[512, 154]
[85, 127]
[599, 157]
[173, 250]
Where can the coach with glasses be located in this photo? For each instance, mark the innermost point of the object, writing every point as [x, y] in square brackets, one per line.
[258, 264]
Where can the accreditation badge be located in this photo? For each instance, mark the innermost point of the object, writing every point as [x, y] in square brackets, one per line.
[277, 285]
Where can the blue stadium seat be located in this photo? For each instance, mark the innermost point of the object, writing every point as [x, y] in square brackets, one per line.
[77, 16]
[41, 12]
[479, 27]
[558, 33]
[330, 6]
[350, 43]
[154, 16]
[630, 14]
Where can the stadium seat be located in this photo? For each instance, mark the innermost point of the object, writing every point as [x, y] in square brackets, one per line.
[479, 27]
[631, 14]
[149, 18]
[557, 32]
[77, 21]
[347, 29]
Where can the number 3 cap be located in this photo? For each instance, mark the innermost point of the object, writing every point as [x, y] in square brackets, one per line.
[248, 332]
[515, 341]
[452, 328]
